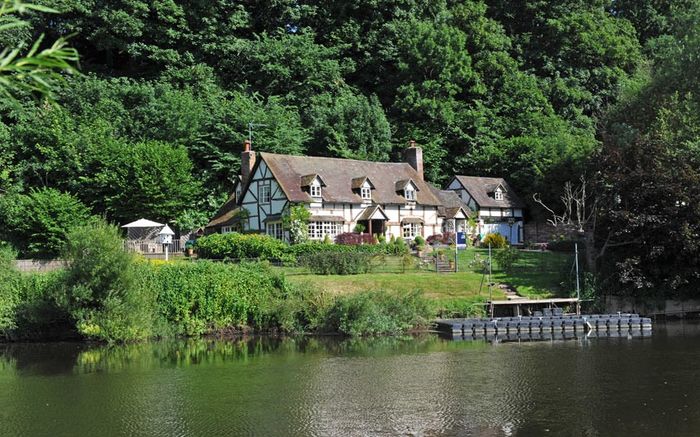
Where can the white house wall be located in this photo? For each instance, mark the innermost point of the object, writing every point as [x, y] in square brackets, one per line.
[432, 224]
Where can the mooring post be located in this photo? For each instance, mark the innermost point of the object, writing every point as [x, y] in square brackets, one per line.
[578, 285]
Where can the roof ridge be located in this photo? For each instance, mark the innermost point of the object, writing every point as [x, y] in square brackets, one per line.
[335, 158]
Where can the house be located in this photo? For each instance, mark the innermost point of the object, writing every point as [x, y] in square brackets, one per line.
[385, 198]
[497, 207]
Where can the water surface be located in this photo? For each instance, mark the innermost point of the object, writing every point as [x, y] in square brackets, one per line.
[325, 386]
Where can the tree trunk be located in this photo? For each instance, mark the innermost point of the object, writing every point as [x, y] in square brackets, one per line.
[591, 254]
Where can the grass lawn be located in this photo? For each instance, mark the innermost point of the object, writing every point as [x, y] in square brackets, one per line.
[535, 275]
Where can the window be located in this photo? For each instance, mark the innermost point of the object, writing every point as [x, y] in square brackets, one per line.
[410, 194]
[366, 193]
[315, 190]
[275, 229]
[498, 194]
[411, 230]
[264, 194]
[226, 229]
[317, 230]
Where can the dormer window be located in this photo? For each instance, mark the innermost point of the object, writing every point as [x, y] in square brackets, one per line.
[315, 189]
[409, 193]
[313, 184]
[366, 193]
[408, 188]
[498, 194]
[363, 187]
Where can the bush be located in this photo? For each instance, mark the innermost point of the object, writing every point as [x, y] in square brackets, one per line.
[506, 258]
[37, 223]
[398, 247]
[352, 238]
[337, 263]
[420, 242]
[9, 289]
[100, 291]
[497, 241]
[196, 298]
[372, 313]
[240, 246]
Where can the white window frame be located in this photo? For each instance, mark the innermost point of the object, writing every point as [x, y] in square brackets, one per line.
[319, 229]
[498, 194]
[315, 190]
[411, 230]
[410, 194]
[264, 193]
[275, 229]
[366, 193]
[227, 229]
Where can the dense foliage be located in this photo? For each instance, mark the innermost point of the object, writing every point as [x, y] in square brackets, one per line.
[337, 263]
[36, 223]
[538, 91]
[108, 294]
[494, 240]
[237, 246]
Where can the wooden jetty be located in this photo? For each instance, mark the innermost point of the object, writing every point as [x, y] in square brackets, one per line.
[528, 307]
[537, 326]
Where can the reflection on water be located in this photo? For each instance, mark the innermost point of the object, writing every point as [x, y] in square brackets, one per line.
[327, 386]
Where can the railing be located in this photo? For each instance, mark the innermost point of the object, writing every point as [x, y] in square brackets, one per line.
[152, 247]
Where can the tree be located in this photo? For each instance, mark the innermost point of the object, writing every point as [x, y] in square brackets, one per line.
[349, 125]
[148, 179]
[37, 223]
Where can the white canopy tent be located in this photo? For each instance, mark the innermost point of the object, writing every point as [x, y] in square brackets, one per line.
[143, 230]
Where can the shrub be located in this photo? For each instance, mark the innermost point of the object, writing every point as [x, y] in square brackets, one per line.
[420, 242]
[506, 258]
[100, 291]
[9, 293]
[196, 298]
[354, 239]
[296, 221]
[240, 246]
[398, 247]
[337, 263]
[497, 241]
[372, 313]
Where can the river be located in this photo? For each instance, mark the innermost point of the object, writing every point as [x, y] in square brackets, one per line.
[330, 387]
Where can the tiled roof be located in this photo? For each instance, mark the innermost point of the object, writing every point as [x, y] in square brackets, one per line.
[451, 203]
[338, 175]
[227, 215]
[482, 188]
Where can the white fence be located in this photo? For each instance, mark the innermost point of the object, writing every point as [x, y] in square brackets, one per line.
[152, 247]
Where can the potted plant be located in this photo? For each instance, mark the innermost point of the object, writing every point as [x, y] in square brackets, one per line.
[189, 248]
[420, 245]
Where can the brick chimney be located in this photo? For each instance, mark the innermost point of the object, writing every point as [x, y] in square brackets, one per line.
[247, 162]
[414, 157]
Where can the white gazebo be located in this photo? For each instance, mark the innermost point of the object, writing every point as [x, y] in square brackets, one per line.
[146, 236]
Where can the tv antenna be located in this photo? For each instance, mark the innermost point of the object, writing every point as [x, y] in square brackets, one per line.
[252, 125]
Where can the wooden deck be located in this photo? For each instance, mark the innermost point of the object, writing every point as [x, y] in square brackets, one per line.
[520, 305]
